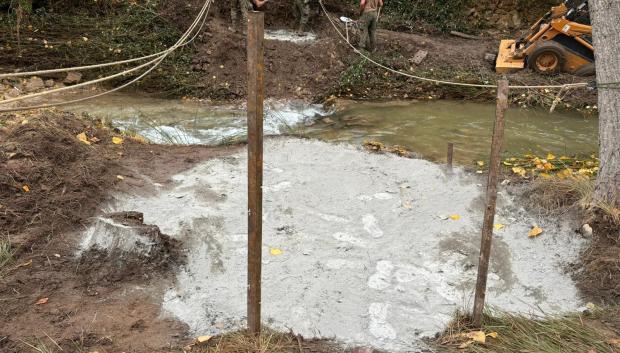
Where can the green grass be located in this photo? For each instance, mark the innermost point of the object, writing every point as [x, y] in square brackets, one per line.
[536, 334]
[6, 254]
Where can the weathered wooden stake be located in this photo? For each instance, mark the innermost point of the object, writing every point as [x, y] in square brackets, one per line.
[256, 95]
[491, 198]
[450, 154]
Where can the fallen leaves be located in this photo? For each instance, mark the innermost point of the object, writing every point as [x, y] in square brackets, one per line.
[275, 251]
[534, 232]
[117, 140]
[42, 301]
[455, 217]
[549, 165]
[82, 138]
[466, 339]
[499, 226]
[26, 188]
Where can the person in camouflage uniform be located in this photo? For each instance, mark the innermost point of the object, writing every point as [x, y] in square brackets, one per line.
[243, 6]
[368, 23]
[303, 13]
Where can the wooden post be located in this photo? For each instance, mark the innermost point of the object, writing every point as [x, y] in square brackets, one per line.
[256, 95]
[491, 198]
[450, 154]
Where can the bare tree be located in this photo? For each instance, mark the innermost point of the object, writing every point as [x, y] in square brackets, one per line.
[605, 16]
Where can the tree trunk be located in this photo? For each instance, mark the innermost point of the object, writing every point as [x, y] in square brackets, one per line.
[605, 16]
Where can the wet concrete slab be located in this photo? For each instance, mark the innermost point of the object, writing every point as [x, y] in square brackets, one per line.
[367, 251]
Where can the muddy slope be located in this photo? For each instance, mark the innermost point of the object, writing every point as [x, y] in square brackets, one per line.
[101, 300]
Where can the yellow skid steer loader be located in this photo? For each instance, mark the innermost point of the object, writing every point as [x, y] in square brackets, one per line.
[561, 41]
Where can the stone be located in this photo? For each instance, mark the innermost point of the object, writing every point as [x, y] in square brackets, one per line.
[33, 84]
[586, 230]
[490, 57]
[49, 83]
[419, 57]
[12, 93]
[73, 78]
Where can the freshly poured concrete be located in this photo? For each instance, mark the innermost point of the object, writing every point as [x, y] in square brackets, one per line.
[369, 254]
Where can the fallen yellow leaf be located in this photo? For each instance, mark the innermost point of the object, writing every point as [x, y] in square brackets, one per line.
[117, 140]
[492, 334]
[203, 339]
[564, 158]
[480, 163]
[477, 336]
[82, 137]
[120, 177]
[499, 226]
[534, 232]
[275, 251]
[563, 174]
[614, 342]
[26, 188]
[550, 156]
[455, 217]
[519, 171]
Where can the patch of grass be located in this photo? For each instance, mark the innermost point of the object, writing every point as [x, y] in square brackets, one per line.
[522, 333]
[243, 342]
[6, 254]
[555, 195]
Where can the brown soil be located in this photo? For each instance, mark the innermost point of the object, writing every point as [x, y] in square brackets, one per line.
[323, 68]
[599, 275]
[95, 302]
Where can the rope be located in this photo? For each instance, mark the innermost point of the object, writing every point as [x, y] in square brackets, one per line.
[181, 42]
[82, 68]
[441, 82]
[202, 15]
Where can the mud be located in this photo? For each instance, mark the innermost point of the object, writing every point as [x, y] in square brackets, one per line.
[386, 269]
[99, 301]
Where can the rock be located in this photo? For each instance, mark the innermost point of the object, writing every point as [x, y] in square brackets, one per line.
[12, 93]
[73, 78]
[490, 57]
[328, 120]
[586, 230]
[419, 57]
[49, 83]
[33, 84]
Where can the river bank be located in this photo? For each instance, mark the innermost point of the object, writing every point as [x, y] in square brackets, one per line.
[132, 297]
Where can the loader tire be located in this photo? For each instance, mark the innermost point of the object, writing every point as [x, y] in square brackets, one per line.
[547, 59]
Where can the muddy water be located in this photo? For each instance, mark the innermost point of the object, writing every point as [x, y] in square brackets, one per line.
[426, 127]
[423, 127]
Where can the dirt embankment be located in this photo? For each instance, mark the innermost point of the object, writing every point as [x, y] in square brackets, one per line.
[215, 65]
[328, 66]
[51, 186]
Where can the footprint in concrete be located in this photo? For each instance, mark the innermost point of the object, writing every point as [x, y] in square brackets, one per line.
[348, 238]
[378, 326]
[371, 226]
[381, 279]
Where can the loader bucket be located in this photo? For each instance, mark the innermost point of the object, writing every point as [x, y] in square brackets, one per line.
[506, 62]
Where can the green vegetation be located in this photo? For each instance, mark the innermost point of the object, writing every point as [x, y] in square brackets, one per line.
[97, 32]
[508, 333]
[6, 254]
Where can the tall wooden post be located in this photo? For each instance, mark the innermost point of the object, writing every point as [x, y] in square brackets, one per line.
[256, 95]
[491, 198]
[450, 155]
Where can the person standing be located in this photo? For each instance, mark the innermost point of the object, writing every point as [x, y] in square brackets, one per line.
[243, 6]
[303, 12]
[369, 11]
